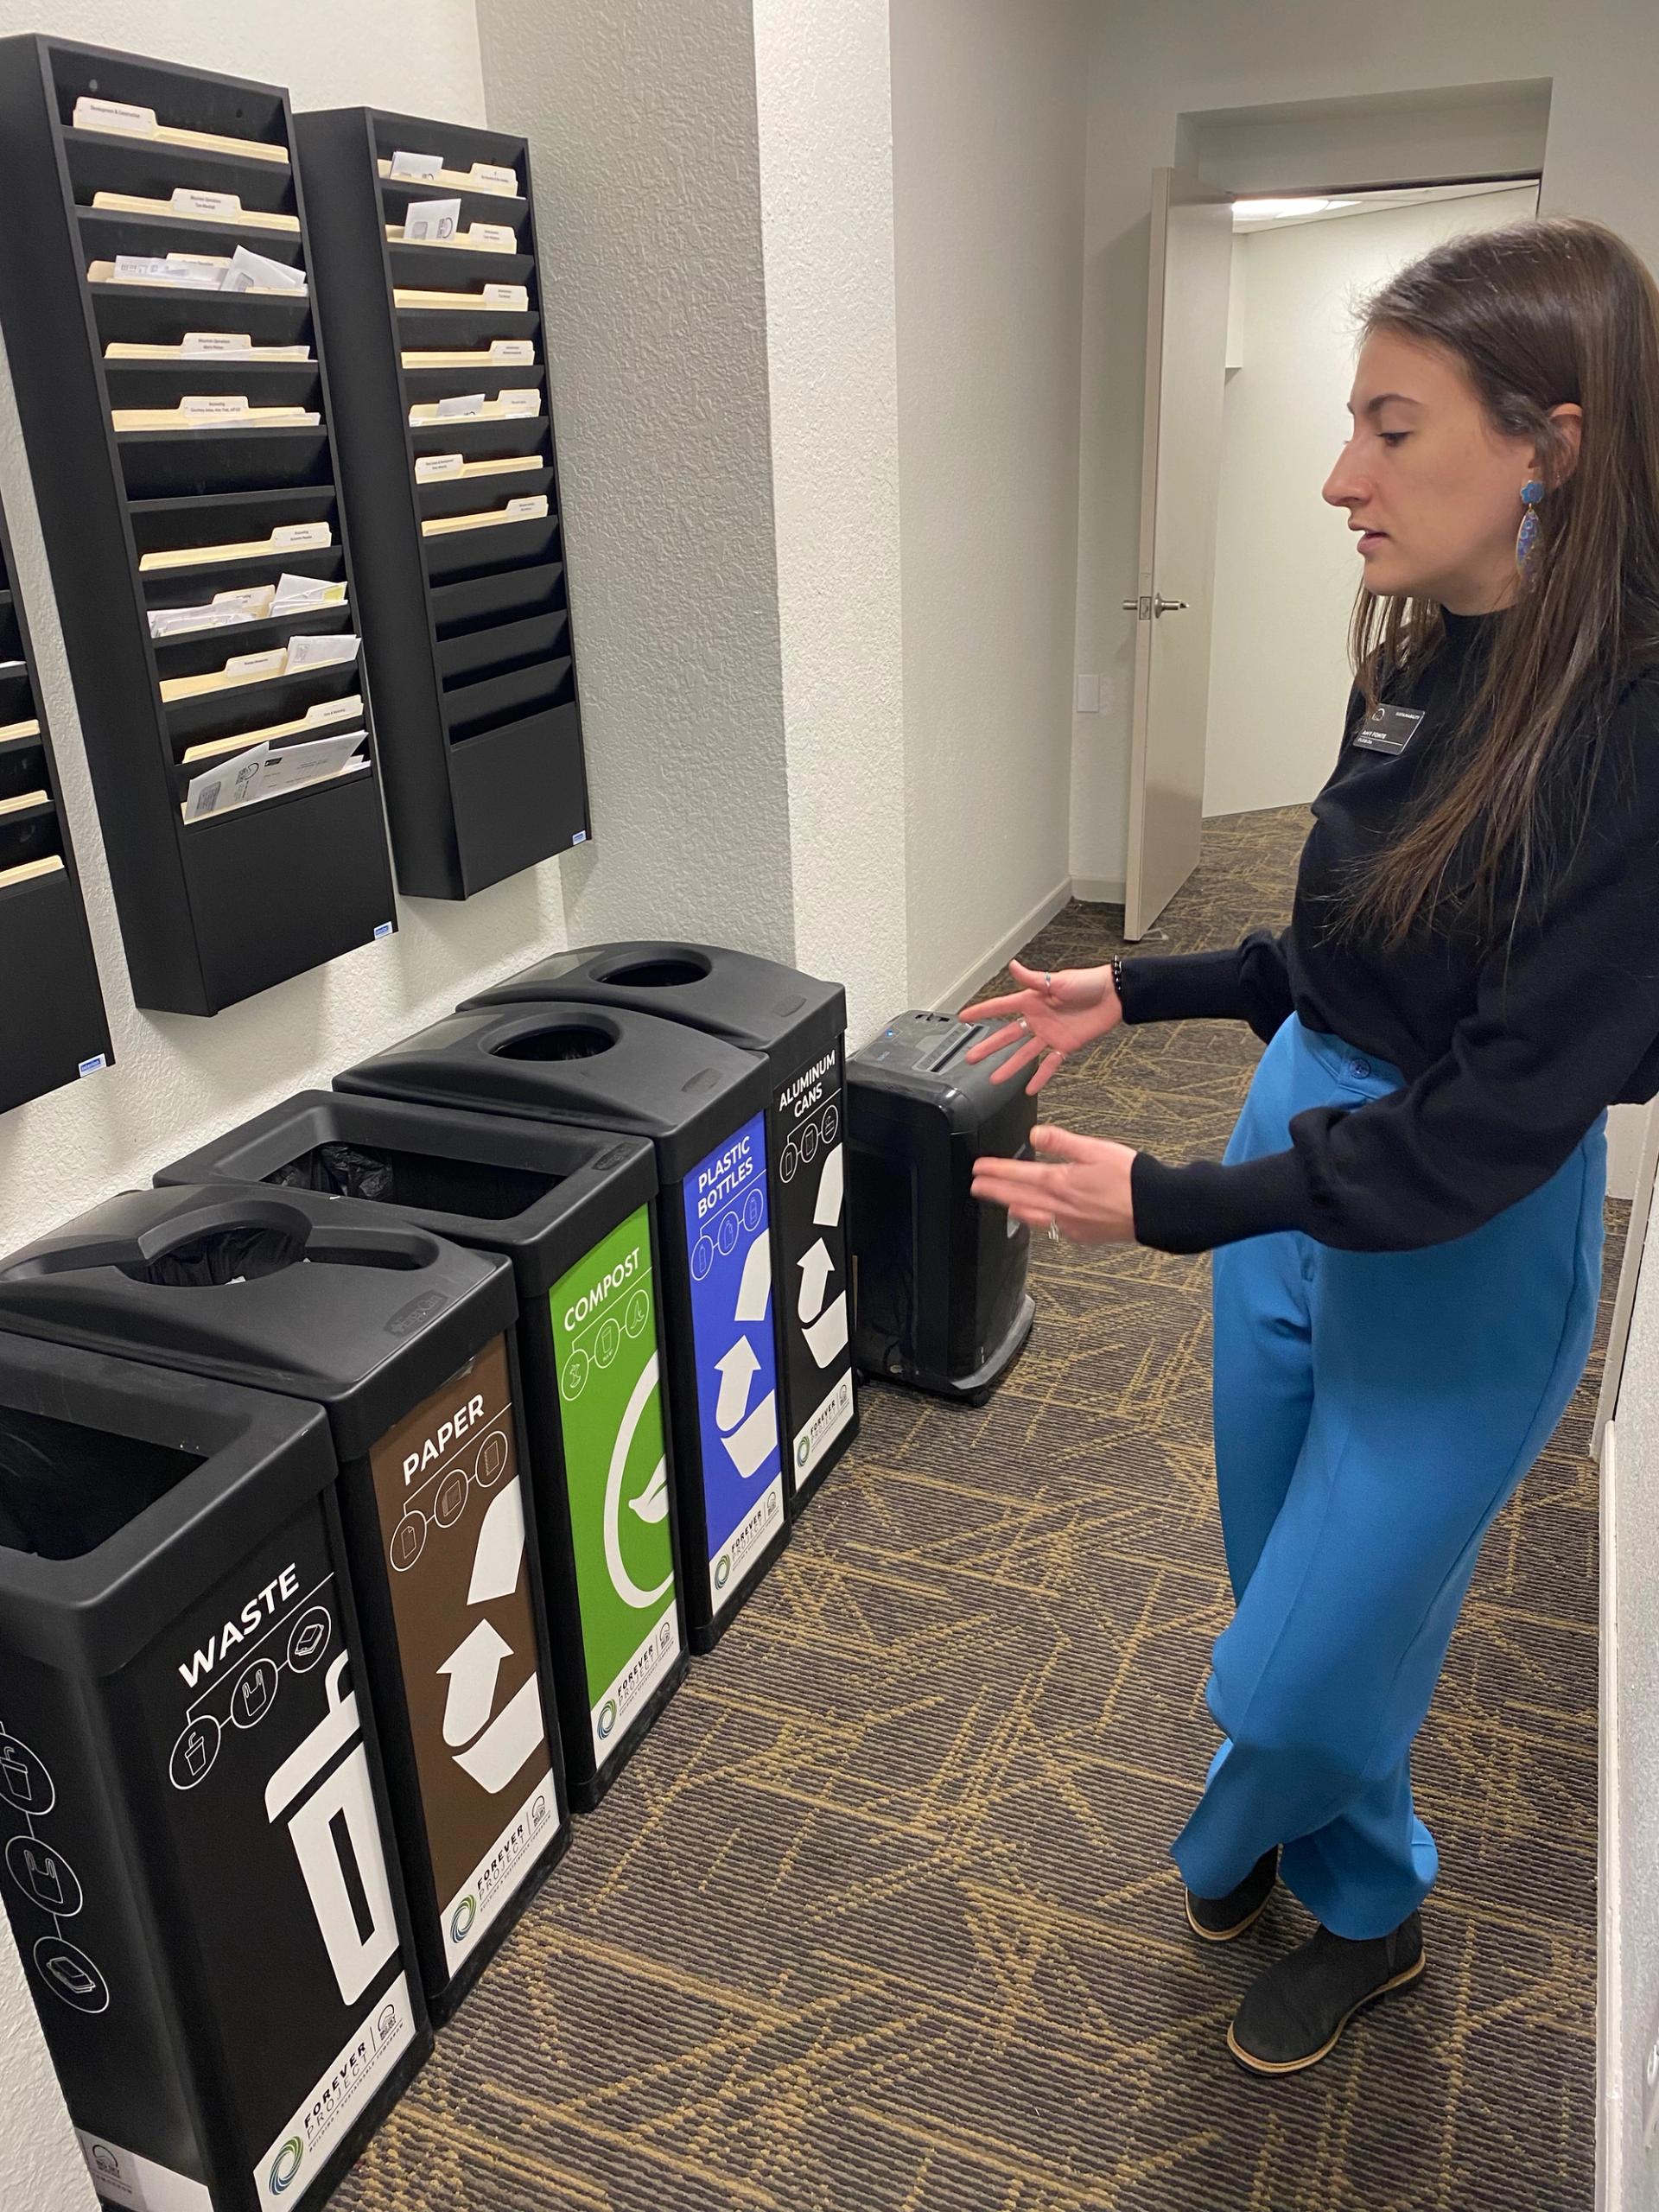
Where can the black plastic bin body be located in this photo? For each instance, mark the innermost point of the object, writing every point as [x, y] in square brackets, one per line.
[800, 1024]
[942, 1301]
[200, 1876]
[702, 1104]
[406, 1341]
[572, 1208]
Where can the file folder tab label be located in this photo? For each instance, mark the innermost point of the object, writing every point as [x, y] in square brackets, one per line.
[499, 237]
[294, 536]
[114, 115]
[489, 176]
[223, 206]
[217, 341]
[433, 467]
[507, 295]
[530, 508]
[519, 403]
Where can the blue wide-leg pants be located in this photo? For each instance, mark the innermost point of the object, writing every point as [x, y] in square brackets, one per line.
[1373, 1411]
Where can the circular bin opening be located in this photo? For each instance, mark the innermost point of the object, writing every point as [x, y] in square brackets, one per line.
[659, 975]
[579, 1041]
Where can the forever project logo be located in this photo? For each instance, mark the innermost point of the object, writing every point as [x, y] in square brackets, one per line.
[285, 2166]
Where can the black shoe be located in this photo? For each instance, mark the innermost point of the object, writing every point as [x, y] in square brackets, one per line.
[1294, 2014]
[1219, 1919]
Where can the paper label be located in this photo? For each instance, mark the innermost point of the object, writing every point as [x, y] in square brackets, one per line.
[432, 467]
[526, 402]
[428, 222]
[212, 406]
[497, 236]
[530, 508]
[491, 173]
[217, 341]
[301, 2148]
[320, 653]
[271, 663]
[122, 2178]
[506, 295]
[416, 165]
[460, 403]
[184, 201]
[114, 115]
[335, 710]
[290, 537]
[519, 350]
[256, 598]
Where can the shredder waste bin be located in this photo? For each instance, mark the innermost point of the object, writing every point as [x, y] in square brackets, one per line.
[194, 1828]
[942, 1298]
[405, 1340]
[800, 1023]
[572, 1208]
[702, 1102]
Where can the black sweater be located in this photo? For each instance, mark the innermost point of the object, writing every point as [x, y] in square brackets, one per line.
[1509, 1056]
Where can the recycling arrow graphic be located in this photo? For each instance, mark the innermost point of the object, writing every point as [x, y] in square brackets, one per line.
[473, 1667]
[816, 1267]
[737, 1373]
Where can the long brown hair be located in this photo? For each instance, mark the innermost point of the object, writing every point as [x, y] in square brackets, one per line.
[1536, 314]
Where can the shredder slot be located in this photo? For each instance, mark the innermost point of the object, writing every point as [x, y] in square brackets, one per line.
[573, 1043]
[420, 1180]
[65, 1489]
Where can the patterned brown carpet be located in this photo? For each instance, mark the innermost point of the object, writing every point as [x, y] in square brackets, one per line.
[881, 1918]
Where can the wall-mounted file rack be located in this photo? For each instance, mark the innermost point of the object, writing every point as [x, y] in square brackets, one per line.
[52, 1022]
[454, 513]
[168, 473]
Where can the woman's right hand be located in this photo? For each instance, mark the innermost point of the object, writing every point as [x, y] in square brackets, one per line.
[1055, 1015]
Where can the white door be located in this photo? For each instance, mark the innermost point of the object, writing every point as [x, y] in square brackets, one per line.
[1186, 357]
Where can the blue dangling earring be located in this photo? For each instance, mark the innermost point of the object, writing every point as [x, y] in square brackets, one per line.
[1526, 541]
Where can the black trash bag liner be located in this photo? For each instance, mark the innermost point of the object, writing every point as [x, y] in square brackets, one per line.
[424, 1181]
[346, 1171]
[65, 1489]
[240, 1253]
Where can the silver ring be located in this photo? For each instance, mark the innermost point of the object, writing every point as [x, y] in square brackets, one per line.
[1020, 1021]
[1053, 1231]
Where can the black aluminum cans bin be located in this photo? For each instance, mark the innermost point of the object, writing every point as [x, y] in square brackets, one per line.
[406, 1342]
[193, 1824]
[572, 1210]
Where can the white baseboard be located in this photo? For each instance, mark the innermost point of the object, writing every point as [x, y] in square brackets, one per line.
[981, 970]
[1610, 2039]
[1096, 891]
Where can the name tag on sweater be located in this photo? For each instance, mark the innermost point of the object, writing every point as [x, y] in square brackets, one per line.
[1387, 729]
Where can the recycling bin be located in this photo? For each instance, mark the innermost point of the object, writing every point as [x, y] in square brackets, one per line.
[702, 1102]
[405, 1341]
[572, 1208]
[194, 1825]
[942, 1298]
[799, 1024]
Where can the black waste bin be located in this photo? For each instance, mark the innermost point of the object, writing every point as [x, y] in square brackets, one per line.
[199, 1875]
[572, 1208]
[799, 1024]
[406, 1342]
[942, 1301]
[702, 1104]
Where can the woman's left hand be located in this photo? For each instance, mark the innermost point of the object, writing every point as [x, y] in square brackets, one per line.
[1080, 1184]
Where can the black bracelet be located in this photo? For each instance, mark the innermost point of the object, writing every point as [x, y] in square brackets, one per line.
[1117, 978]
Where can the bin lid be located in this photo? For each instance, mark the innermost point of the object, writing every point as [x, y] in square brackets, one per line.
[331, 1300]
[603, 1067]
[100, 1551]
[737, 995]
[544, 1192]
[921, 1057]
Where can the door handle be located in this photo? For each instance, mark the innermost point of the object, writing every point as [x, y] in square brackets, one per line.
[1145, 607]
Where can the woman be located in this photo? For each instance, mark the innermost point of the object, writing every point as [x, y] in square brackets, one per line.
[1407, 1222]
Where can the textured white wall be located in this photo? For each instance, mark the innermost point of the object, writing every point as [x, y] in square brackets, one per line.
[178, 1080]
[988, 137]
[1152, 65]
[826, 123]
[641, 120]
[1286, 569]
